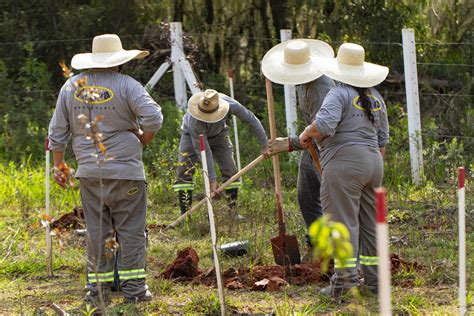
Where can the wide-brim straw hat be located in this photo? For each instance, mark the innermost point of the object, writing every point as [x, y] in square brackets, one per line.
[351, 68]
[107, 52]
[294, 61]
[207, 106]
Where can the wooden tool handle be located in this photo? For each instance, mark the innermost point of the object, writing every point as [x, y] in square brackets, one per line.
[236, 176]
[314, 155]
[276, 161]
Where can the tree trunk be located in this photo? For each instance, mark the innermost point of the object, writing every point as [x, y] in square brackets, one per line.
[279, 14]
[178, 11]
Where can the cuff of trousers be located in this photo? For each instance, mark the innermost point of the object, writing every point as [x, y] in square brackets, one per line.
[233, 185]
[132, 274]
[101, 277]
[183, 187]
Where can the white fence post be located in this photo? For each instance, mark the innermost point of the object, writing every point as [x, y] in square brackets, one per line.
[462, 241]
[182, 70]
[290, 96]
[49, 245]
[177, 53]
[234, 123]
[413, 104]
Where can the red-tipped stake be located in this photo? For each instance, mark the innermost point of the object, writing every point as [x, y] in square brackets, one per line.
[234, 123]
[383, 253]
[212, 225]
[462, 242]
[49, 246]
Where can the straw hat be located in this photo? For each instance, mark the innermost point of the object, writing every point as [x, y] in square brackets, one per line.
[107, 52]
[207, 106]
[293, 62]
[349, 67]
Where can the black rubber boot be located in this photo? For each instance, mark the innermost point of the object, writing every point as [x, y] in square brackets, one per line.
[232, 203]
[185, 200]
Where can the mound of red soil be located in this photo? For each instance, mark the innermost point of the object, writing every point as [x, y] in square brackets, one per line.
[72, 220]
[307, 273]
[399, 264]
[184, 266]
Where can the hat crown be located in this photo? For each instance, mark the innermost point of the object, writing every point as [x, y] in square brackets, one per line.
[297, 52]
[106, 43]
[351, 54]
[209, 101]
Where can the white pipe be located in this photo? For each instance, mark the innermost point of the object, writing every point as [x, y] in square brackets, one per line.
[234, 122]
[383, 267]
[49, 248]
[210, 211]
[462, 242]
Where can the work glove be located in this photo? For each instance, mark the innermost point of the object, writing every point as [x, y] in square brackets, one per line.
[265, 151]
[280, 144]
[213, 187]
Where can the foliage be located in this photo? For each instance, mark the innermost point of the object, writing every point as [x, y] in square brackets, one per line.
[330, 240]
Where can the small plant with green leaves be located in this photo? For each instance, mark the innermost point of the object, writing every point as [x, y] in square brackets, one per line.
[331, 240]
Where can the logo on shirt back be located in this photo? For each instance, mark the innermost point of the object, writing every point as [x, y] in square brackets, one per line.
[100, 94]
[377, 107]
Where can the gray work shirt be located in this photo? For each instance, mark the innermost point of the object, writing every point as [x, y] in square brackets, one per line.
[310, 98]
[195, 127]
[342, 121]
[123, 102]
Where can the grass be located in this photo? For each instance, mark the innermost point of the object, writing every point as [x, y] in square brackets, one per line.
[423, 227]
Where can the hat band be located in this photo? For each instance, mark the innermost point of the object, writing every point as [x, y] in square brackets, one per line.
[208, 111]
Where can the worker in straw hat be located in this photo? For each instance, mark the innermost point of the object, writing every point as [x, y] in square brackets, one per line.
[352, 130]
[294, 63]
[99, 109]
[207, 113]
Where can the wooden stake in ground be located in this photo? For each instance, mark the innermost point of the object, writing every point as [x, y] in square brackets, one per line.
[462, 242]
[224, 185]
[234, 123]
[383, 253]
[210, 211]
[49, 246]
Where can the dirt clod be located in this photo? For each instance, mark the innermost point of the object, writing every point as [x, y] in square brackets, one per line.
[72, 220]
[185, 265]
[399, 264]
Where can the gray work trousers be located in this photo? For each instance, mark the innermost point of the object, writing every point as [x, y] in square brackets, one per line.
[308, 187]
[123, 212]
[221, 147]
[347, 195]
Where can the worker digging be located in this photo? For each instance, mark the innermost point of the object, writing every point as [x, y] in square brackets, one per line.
[207, 113]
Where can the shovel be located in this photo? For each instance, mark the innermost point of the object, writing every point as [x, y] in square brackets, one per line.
[285, 247]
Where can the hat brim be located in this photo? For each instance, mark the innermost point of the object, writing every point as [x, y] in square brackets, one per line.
[365, 76]
[277, 70]
[213, 117]
[106, 60]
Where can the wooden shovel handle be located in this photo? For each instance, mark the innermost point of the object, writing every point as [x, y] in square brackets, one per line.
[314, 155]
[236, 176]
[276, 161]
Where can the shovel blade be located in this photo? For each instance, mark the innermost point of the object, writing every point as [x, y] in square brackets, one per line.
[285, 250]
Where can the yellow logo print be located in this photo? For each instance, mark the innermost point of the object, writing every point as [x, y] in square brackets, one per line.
[377, 102]
[103, 94]
[132, 191]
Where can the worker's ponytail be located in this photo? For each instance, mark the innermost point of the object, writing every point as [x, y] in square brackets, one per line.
[365, 102]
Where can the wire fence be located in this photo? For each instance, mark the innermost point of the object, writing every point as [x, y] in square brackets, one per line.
[254, 83]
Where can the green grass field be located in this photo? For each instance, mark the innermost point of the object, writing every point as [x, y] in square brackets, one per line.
[423, 230]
